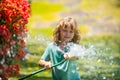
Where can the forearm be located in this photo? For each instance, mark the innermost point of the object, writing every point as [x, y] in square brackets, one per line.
[41, 63]
[44, 63]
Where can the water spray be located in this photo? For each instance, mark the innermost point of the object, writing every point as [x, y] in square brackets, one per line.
[76, 50]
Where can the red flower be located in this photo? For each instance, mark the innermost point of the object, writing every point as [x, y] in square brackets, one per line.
[21, 53]
[14, 16]
[12, 42]
[4, 66]
[16, 28]
[22, 43]
[12, 67]
[8, 72]
[15, 69]
[5, 33]
[6, 49]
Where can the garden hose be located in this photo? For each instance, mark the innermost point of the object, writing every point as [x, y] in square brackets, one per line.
[41, 70]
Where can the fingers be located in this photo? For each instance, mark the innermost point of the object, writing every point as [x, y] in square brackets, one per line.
[47, 65]
[66, 56]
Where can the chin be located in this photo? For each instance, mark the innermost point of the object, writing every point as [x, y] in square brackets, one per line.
[67, 40]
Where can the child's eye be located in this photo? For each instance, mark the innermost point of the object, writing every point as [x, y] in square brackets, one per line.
[71, 31]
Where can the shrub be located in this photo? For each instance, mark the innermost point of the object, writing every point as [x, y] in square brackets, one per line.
[14, 15]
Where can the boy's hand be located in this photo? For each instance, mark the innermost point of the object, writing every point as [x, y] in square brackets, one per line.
[47, 65]
[66, 56]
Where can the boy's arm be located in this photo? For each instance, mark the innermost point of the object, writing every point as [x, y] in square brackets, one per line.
[44, 63]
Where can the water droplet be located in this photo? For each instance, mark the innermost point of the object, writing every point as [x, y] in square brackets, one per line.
[111, 57]
[113, 74]
[99, 61]
[104, 77]
[77, 68]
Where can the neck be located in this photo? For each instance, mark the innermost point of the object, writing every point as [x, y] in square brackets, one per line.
[62, 45]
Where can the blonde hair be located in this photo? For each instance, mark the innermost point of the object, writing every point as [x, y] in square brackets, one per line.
[64, 23]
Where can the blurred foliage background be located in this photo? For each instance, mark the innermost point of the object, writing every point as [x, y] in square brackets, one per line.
[99, 23]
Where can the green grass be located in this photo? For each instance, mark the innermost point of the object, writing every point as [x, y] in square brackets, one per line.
[43, 31]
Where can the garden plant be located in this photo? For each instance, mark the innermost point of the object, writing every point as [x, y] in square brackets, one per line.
[14, 16]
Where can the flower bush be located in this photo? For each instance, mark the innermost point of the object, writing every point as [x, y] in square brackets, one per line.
[14, 16]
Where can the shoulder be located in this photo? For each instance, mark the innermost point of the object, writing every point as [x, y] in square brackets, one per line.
[51, 45]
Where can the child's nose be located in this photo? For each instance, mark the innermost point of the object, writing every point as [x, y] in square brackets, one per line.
[67, 34]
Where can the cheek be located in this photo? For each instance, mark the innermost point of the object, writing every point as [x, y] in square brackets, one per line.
[72, 35]
[62, 33]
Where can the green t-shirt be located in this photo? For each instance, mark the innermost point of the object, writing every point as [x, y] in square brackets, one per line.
[64, 71]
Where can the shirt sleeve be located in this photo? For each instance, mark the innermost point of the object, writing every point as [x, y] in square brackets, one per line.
[46, 54]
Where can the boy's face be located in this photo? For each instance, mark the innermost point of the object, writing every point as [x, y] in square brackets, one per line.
[66, 34]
